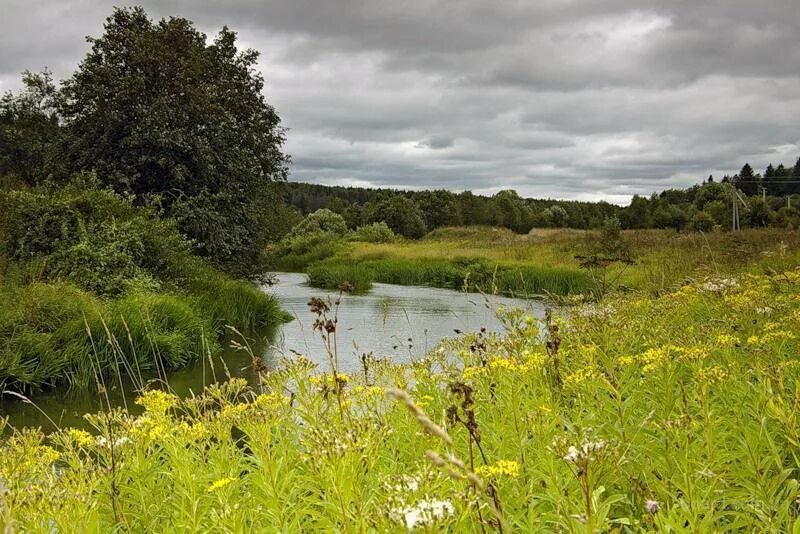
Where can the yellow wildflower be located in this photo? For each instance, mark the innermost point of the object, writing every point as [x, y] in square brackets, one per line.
[194, 432]
[375, 391]
[727, 340]
[424, 401]
[507, 468]
[327, 380]
[710, 375]
[471, 372]
[80, 437]
[625, 360]
[581, 375]
[219, 484]
[654, 358]
[233, 411]
[779, 335]
[156, 401]
[271, 400]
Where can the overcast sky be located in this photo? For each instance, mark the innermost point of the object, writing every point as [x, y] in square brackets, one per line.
[577, 99]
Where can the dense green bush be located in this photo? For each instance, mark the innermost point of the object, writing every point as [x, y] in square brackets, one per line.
[91, 237]
[377, 232]
[702, 222]
[296, 253]
[321, 221]
[79, 258]
[401, 214]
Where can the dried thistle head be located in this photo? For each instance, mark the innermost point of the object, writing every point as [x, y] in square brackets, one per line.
[319, 305]
[346, 287]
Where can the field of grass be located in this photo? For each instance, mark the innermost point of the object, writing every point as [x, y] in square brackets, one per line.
[546, 261]
[675, 412]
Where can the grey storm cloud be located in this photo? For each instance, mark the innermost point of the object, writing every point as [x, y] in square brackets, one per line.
[581, 99]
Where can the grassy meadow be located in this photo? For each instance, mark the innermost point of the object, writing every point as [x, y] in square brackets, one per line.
[548, 261]
[675, 412]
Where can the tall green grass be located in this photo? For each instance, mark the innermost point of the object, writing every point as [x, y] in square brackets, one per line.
[53, 334]
[460, 274]
[332, 275]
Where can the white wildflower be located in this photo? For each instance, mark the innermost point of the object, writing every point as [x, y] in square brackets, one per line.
[572, 454]
[425, 512]
[719, 286]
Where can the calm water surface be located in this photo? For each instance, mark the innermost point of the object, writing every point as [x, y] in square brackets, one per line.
[396, 322]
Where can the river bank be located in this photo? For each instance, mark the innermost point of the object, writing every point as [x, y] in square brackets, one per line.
[392, 323]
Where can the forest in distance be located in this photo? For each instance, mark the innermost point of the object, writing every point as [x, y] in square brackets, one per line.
[769, 197]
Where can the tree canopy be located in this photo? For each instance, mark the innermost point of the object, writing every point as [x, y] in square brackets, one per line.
[162, 114]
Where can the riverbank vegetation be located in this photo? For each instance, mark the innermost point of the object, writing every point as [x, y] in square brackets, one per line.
[675, 412]
[92, 284]
[136, 199]
[555, 262]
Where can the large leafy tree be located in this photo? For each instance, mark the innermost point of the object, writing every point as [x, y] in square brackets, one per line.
[29, 129]
[401, 214]
[163, 114]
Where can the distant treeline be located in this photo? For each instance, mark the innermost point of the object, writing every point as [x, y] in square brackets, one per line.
[700, 207]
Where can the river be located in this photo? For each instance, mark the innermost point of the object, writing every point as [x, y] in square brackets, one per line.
[396, 322]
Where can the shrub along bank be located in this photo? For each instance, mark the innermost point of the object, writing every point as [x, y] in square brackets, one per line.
[93, 285]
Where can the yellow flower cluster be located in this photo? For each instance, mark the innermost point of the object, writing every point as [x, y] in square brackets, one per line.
[710, 375]
[727, 340]
[471, 372]
[656, 357]
[80, 437]
[507, 468]
[517, 366]
[769, 337]
[157, 402]
[653, 358]
[194, 432]
[527, 363]
[219, 484]
[47, 455]
[424, 401]
[35, 457]
[581, 375]
[328, 380]
[233, 411]
[271, 401]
